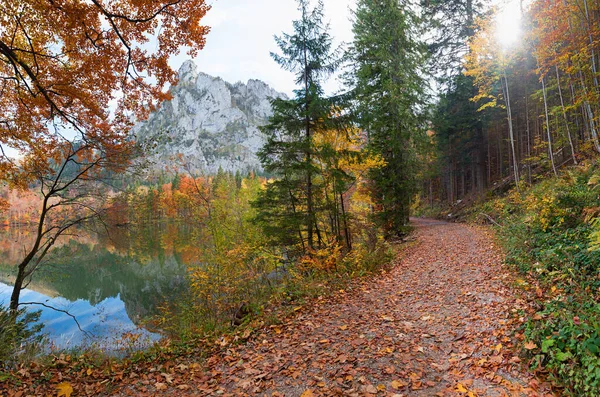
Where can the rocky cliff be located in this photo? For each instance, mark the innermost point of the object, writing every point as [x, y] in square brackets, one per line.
[208, 124]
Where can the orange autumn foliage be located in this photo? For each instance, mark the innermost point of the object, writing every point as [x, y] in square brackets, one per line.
[74, 78]
[84, 68]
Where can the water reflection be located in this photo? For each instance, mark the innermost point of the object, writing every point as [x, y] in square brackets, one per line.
[111, 281]
[105, 324]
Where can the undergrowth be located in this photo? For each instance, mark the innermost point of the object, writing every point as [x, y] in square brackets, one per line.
[212, 309]
[20, 336]
[550, 233]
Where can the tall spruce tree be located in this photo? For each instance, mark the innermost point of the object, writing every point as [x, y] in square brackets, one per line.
[288, 206]
[450, 24]
[390, 92]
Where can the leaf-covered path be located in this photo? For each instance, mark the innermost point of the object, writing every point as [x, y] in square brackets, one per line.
[440, 323]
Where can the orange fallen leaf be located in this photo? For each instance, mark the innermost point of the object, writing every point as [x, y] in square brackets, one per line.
[530, 345]
[64, 389]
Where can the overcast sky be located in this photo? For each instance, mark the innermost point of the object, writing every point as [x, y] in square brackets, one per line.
[241, 39]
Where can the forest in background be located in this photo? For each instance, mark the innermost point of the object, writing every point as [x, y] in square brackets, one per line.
[512, 113]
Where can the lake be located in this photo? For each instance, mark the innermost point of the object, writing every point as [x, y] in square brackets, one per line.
[112, 282]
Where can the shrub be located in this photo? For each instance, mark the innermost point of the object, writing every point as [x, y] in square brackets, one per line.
[19, 337]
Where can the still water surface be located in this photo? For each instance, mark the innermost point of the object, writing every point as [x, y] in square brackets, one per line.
[111, 282]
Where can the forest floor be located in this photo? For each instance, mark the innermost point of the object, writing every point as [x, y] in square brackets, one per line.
[443, 321]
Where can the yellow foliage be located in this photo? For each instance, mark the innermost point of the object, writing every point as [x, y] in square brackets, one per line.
[323, 259]
[64, 389]
[545, 210]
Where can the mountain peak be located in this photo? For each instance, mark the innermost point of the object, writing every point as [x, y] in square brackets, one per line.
[208, 123]
[187, 72]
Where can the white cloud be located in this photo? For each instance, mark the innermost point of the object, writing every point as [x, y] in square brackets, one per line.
[241, 39]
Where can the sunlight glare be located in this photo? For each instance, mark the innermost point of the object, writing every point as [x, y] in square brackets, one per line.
[508, 23]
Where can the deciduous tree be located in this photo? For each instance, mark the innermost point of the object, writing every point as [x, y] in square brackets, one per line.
[74, 77]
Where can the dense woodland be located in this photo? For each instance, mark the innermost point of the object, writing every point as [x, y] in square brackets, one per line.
[510, 113]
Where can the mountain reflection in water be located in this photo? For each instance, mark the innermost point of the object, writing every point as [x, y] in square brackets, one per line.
[105, 324]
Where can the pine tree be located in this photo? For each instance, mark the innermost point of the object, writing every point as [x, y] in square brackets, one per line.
[288, 206]
[389, 87]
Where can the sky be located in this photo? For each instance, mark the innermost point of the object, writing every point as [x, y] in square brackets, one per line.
[508, 22]
[241, 39]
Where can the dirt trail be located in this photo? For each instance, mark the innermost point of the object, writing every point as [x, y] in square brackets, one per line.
[440, 323]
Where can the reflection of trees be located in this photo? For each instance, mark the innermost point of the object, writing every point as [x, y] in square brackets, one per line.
[142, 286]
[14, 240]
[144, 265]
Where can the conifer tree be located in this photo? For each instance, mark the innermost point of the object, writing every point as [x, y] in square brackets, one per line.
[389, 87]
[288, 206]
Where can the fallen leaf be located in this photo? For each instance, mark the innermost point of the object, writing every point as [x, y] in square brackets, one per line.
[530, 345]
[396, 384]
[64, 389]
[161, 386]
[461, 389]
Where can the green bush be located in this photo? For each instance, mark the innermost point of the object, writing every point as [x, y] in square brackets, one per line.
[19, 337]
[548, 234]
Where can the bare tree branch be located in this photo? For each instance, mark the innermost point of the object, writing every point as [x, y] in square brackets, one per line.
[61, 311]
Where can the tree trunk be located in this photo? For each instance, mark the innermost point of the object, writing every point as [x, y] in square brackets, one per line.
[22, 268]
[309, 192]
[562, 104]
[511, 133]
[589, 113]
[551, 153]
[593, 54]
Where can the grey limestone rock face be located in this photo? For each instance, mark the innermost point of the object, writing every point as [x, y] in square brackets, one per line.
[208, 124]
